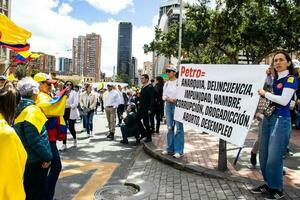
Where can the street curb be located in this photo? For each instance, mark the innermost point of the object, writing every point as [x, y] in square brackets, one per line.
[179, 164]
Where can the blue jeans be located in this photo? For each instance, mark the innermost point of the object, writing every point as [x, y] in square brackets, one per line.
[275, 136]
[175, 142]
[54, 171]
[89, 121]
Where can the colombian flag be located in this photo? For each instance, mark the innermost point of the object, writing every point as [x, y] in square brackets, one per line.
[15, 47]
[12, 34]
[25, 56]
[54, 109]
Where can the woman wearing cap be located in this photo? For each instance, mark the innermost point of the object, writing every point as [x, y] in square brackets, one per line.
[71, 113]
[130, 128]
[54, 125]
[276, 128]
[175, 140]
[30, 126]
[13, 156]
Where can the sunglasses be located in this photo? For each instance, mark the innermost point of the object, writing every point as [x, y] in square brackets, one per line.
[68, 84]
[49, 84]
[168, 71]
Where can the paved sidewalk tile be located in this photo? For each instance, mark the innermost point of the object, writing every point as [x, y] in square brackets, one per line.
[176, 184]
[202, 150]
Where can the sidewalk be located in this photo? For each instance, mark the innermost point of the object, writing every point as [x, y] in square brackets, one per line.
[201, 157]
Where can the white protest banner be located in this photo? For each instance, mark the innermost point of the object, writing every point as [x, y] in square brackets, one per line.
[219, 99]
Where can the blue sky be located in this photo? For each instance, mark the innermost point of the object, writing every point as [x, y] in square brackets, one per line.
[140, 13]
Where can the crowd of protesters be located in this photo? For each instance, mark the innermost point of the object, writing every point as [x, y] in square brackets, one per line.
[31, 125]
[30, 129]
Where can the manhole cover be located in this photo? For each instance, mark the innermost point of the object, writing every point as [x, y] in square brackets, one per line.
[116, 192]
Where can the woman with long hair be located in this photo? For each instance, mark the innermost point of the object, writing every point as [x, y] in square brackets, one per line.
[88, 101]
[71, 113]
[276, 129]
[13, 155]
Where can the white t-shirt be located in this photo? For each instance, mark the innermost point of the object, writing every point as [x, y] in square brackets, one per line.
[169, 89]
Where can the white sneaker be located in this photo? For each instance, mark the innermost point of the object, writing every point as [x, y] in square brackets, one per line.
[63, 147]
[164, 152]
[92, 134]
[75, 143]
[176, 155]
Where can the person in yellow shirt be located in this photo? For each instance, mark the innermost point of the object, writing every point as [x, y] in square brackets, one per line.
[12, 153]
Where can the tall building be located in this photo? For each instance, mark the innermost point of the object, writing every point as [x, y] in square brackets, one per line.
[78, 55]
[124, 48]
[92, 56]
[168, 13]
[134, 70]
[45, 63]
[5, 8]
[147, 69]
[87, 56]
[65, 66]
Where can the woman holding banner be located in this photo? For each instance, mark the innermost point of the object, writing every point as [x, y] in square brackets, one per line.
[175, 140]
[276, 128]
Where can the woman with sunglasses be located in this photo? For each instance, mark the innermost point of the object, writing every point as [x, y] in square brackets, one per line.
[175, 139]
[71, 113]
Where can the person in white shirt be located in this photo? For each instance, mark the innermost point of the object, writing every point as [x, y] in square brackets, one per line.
[175, 140]
[111, 102]
[71, 113]
[88, 101]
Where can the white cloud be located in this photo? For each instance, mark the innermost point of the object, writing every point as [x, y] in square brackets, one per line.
[65, 9]
[111, 6]
[52, 33]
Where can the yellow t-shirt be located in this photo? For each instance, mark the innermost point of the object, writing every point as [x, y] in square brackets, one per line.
[13, 158]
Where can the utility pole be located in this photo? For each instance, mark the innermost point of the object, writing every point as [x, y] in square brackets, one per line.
[180, 35]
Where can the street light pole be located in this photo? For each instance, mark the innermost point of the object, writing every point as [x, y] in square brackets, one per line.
[180, 35]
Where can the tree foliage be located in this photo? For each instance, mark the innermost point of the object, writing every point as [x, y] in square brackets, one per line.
[218, 35]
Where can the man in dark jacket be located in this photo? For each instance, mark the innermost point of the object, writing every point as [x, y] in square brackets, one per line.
[145, 105]
[131, 127]
[30, 127]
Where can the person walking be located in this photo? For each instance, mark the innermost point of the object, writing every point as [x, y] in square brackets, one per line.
[13, 155]
[71, 113]
[276, 129]
[145, 104]
[175, 139]
[30, 126]
[88, 101]
[111, 102]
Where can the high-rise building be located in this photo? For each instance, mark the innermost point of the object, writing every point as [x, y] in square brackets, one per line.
[4, 53]
[134, 70]
[147, 68]
[168, 13]
[87, 56]
[124, 48]
[78, 55]
[92, 56]
[45, 63]
[65, 66]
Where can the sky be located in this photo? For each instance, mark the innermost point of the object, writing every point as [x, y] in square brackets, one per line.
[54, 24]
